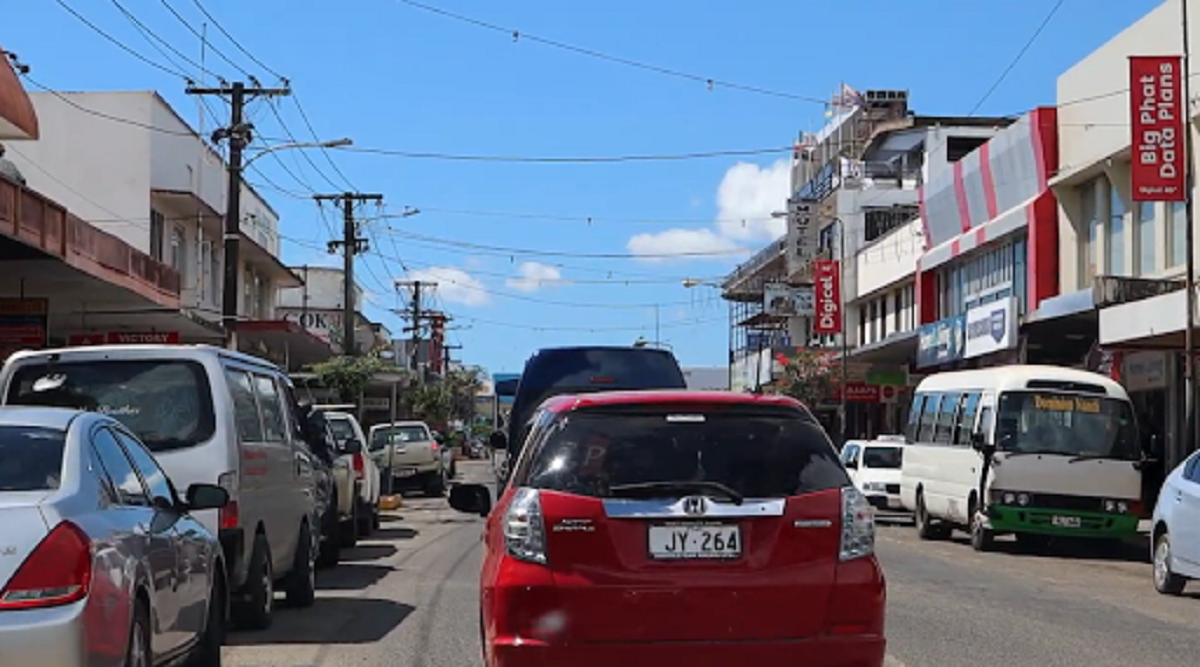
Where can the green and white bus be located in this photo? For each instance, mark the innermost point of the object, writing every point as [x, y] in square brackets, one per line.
[1050, 451]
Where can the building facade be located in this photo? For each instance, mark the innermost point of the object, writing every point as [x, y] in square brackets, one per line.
[318, 307]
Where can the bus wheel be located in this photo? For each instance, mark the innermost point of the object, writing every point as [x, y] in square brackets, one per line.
[982, 537]
[925, 528]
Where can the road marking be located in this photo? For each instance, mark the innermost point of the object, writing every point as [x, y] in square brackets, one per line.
[892, 661]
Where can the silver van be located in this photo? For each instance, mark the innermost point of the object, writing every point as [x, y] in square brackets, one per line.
[210, 416]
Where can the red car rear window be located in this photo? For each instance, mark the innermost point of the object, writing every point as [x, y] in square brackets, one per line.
[756, 452]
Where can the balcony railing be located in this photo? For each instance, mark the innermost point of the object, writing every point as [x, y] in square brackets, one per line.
[35, 220]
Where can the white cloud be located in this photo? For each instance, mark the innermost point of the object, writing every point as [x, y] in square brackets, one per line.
[532, 276]
[750, 193]
[746, 197]
[453, 284]
[678, 241]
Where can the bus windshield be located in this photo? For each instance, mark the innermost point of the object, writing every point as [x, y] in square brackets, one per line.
[1075, 425]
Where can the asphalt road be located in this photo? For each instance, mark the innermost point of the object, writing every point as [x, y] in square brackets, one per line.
[408, 598]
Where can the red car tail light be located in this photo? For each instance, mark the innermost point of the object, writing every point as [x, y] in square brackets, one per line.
[229, 516]
[524, 528]
[55, 573]
[359, 466]
[858, 525]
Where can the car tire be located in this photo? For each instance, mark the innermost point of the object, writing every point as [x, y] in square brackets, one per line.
[348, 529]
[366, 519]
[983, 539]
[137, 653]
[301, 587]
[1166, 581]
[436, 487]
[329, 552]
[208, 649]
[255, 609]
[925, 527]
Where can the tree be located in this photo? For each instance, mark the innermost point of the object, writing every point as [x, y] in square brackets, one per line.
[347, 375]
[808, 376]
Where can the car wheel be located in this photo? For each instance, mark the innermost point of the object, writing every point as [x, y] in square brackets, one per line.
[138, 653]
[437, 485]
[925, 528]
[982, 538]
[256, 608]
[1165, 581]
[366, 519]
[329, 550]
[301, 588]
[349, 528]
[208, 649]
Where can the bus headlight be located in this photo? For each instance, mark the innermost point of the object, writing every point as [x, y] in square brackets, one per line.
[1022, 499]
[1116, 506]
[1010, 498]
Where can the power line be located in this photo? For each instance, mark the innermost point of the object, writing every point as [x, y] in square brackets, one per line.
[1016, 59]
[586, 219]
[153, 37]
[508, 250]
[581, 329]
[235, 42]
[121, 45]
[204, 39]
[455, 157]
[315, 137]
[516, 35]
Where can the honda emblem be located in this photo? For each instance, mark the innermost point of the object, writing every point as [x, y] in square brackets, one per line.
[695, 506]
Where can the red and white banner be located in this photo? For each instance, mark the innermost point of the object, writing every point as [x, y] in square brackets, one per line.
[827, 296]
[1157, 120]
[125, 338]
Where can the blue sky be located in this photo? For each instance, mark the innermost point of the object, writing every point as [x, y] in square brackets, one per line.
[394, 76]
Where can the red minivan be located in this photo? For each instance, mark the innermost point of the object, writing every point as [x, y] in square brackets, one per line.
[678, 527]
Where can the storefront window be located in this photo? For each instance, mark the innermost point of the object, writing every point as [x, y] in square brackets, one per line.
[1147, 262]
[1019, 279]
[1178, 236]
[1115, 234]
[1087, 210]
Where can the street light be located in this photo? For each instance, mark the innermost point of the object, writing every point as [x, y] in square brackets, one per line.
[333, 143]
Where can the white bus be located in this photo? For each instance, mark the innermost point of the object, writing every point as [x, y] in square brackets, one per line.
[1050, 451]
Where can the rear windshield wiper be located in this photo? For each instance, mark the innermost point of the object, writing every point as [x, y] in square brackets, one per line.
[649, 489]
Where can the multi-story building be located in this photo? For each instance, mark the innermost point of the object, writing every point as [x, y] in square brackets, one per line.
[318, 307]
[1122, 263]
[58, 267]
[131, 165]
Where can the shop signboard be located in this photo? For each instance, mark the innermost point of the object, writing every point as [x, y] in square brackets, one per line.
[941, 342]
[1156, 120]
[991, 327]
[828, 294]
[781, 299]
[861, 392]
[125, 338]
[801, 233]
[1144, 371]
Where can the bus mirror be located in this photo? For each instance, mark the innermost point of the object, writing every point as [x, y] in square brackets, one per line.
[977, 441]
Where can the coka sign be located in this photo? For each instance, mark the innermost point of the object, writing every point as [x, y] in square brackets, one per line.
[828, 297]
[1156, 113]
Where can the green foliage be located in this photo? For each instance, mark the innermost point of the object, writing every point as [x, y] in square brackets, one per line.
[347, 375]
[809, 377]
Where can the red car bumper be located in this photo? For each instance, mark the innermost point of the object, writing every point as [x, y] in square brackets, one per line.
[866, 651]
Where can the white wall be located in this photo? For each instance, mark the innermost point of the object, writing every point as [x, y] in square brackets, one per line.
[890, 259]
[323, 287]
[1093, 124]
[97, 168]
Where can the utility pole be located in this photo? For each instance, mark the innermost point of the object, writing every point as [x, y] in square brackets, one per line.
[351, 244]
[1190, 438]
[446, 356]
[415, 314]
[239, 133]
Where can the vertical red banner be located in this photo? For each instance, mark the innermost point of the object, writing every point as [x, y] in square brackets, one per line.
[827, 295]
[1156, 114]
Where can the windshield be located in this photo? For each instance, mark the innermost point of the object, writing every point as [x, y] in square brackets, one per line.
[1066, 424]
[342, 430]
[30, 458]
[166, 403]
[882, 457]
[755, 455]
[398, 435]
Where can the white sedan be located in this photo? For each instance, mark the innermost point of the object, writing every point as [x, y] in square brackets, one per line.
[1176, 537]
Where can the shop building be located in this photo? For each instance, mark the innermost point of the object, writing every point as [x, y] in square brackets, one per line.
[317, 306]
[159, 187]
[1123, 263]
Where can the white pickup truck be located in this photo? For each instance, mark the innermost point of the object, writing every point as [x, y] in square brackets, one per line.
[358, 502]
[410, 453]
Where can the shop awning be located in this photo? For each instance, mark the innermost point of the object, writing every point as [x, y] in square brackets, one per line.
[283, 342]
[178, 325]
[1154, 323]
[18, 120]
[1075, 174]
[763, 321]
[272, 266]
[898, 348]
[1006, 223]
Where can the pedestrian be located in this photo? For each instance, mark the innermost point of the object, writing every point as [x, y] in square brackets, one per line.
[9, 170]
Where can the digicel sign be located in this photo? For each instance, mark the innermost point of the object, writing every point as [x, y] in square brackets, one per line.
[828, 297]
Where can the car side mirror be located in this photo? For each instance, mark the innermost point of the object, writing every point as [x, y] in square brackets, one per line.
[471, 499]
[497, 440]
[206, 497]
[353, 446]
[852, 465]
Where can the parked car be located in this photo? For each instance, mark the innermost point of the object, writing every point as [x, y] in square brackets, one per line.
[210, 416]
[329, 477]
[101, 563]
[582, 370]
[678, 527]
[411, 455]
[874, 467]
[352, 451]
[1176, 532]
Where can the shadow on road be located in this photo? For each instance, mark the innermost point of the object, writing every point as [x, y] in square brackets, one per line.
[365, 552]
[352, 577]
[329, 621]
[1133, 551]
[397, 533]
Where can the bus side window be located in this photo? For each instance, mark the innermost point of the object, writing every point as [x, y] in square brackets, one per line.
[966, 419]
[929, 413]
[945, 418]
[913, 429]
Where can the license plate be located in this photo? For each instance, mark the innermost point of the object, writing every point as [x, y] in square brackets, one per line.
[405, 472]
[695, 542]
[1065, 521]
